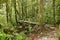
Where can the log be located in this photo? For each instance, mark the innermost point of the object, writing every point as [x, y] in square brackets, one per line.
[28, 22]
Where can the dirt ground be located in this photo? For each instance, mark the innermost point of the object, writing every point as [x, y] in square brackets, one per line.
[47, 36]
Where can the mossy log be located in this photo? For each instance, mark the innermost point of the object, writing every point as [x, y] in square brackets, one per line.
[27, 22]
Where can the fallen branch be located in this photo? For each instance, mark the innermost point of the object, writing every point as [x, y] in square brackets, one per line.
[28, 22]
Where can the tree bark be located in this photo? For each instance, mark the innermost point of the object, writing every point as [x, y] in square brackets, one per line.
[59, 33]
[7, 11]
[54, 11]
[15, 10]
[41, 13]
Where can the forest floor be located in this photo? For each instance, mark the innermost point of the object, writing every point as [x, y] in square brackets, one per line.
[52, 35]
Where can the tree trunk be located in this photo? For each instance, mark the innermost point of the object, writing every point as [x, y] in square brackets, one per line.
[7, 11]
[59, 33]
[54, 11]
[15, 10]
[41, 13]
[22, 4]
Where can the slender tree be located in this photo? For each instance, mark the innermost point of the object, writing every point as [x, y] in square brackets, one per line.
[10, 11]
[58, 19]
[19, 9]
[54, 11]
[33, 10]
[14, 1]
[41, 13]
[7, 11]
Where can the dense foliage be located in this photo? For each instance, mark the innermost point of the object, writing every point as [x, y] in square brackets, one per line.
[12, 11]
